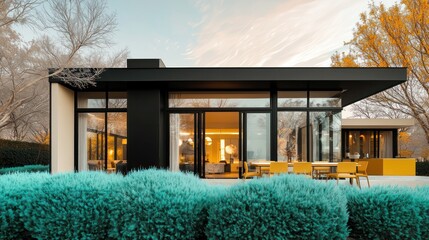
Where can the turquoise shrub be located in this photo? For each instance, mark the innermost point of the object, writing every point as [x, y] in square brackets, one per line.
[15, 190]
[27, 168]
[422, 197]
[383, 212]
[283, 207]
[72, 206]
[158, 204]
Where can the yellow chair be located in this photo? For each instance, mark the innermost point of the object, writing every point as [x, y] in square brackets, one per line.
[278, 168]
[318, 172]
[303, 168]
[345, 170]
[247, 174]
[363, 165]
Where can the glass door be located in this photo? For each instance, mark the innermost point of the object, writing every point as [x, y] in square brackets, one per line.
[221, 147]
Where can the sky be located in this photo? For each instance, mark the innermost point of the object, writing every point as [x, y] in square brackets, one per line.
[235, 33]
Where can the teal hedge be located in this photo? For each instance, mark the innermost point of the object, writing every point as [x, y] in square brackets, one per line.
[283, 207]
[157, 204]
[27, 168]
[388, 212]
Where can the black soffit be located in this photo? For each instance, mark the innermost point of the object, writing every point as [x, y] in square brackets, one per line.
[355, 83]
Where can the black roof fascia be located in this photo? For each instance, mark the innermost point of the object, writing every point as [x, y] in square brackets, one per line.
[355, 83]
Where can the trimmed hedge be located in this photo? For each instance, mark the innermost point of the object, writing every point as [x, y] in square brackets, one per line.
[283, 207]
[15, 189]
[17, 154]
[72, 206]
[387, 212]
[158, 204]
[27, 168]
[422, 168]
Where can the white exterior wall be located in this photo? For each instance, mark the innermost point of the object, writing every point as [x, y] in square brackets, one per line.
[62, 132]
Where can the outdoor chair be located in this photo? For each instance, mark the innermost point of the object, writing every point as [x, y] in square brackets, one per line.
[363, 165]
[248, 174]
[345, 170]
[318, 172]
[278, 168]
[303, 168]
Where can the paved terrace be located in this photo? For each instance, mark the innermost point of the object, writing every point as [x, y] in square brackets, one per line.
[374, 181]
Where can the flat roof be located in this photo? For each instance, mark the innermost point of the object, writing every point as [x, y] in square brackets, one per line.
[376, 123]
[353, 83]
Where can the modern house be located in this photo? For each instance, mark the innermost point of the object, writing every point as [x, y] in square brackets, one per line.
[206, 120]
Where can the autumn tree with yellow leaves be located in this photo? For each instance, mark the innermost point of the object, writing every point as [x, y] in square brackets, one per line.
[396, 36]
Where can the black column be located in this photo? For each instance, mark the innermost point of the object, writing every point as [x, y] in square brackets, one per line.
[144, 125]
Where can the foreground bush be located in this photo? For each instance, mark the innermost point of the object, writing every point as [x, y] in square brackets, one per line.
[284, 207]
[159, 204]
[15, 189]
[384, 213]
[72, 206]
[16, 154]
[422, 195]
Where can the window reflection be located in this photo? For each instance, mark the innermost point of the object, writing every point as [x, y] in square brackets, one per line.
[291, 136]
[218, 99]
[292, 99]
[325, 99]
[91, 99]
[117, 100]
[325, 136]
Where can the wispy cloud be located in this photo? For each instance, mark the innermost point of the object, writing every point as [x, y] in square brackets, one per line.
[273, 33]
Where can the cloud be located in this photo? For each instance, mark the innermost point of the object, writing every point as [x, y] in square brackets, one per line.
[273, 33]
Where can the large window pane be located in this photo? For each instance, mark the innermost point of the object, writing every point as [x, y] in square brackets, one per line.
[325, 99]
[258, 136]
[325, 136]
[361, 144]
[292, 99]
[218, 99]
[386, 144]
[91, 149]
[182, 142]
[117, 100]
[91, 100]
[292, 132]
[117, 141]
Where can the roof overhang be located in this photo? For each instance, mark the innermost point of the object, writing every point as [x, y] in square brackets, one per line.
[376, 123]
[354, 84]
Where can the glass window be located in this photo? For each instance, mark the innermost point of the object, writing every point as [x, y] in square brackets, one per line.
[292, 134]
[91, 100]
[325, 99]
[325, 136]
[182, 142]
[117, 140]
[117, 100]
[360, 144]
[258, 136]
[218, 99]
[91, 149]
[386, 144]
[292, 99]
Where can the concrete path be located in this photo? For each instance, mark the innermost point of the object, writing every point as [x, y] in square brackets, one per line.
[374, 181]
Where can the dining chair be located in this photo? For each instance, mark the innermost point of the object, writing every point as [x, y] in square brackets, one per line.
[318, 172]
[363, 165]
[278, 168]
[303, 168]
[247, 173]
[345, 170]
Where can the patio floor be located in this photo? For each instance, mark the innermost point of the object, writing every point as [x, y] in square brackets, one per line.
[411, 181]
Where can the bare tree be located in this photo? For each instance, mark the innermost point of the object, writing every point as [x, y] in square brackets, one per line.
[73, 29]
[395, 37]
